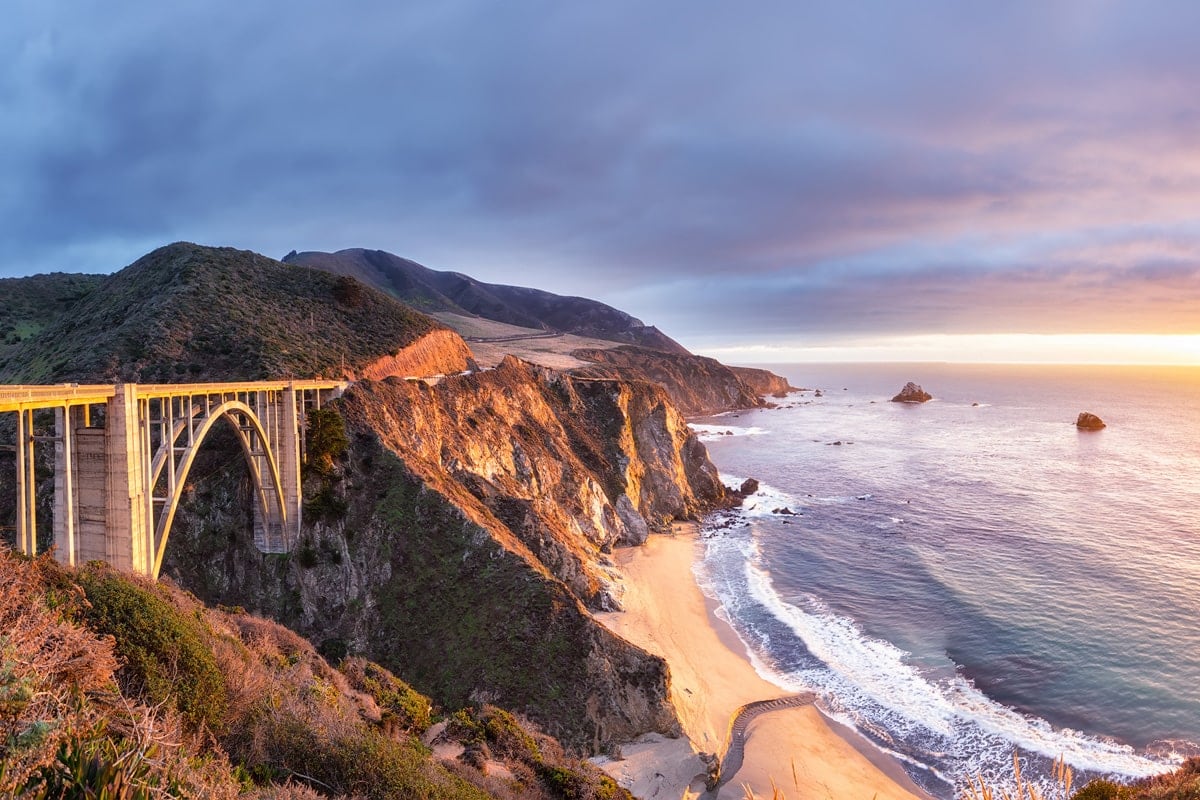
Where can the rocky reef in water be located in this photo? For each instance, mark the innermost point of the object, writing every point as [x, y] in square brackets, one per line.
[912, 393]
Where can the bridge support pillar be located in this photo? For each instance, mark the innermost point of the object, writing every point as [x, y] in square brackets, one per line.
[26, 485]
[65, 500]
[127, 525]
[288, 456]
[277, 527]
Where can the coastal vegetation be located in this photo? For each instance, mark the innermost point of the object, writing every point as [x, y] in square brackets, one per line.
[114, 687]
[189, 313]
[31, 304]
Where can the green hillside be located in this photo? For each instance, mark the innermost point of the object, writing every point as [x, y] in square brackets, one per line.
[28, 305]
[186, 312]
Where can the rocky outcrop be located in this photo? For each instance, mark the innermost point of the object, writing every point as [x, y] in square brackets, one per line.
[440, 352]
[1087, 421]
[912, 393]
[763, 381]
[697, 385]
[463, 537]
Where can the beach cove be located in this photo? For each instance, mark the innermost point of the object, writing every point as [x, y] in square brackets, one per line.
[666, 613]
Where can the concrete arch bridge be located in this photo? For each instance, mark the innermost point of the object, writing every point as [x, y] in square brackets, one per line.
[122, 454]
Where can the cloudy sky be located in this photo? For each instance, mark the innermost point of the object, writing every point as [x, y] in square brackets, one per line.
[759, 179]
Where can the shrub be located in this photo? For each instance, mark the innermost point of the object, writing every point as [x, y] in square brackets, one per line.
[361, 761]
[1103, 790]
[325, 439]
[307, 556]
[325, 505]
[401, 704]
[96, 767]
[165, 652]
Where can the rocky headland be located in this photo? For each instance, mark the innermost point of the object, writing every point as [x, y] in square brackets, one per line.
[697, 385]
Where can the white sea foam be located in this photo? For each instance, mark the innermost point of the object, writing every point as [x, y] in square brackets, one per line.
[870, 684]
[764, 501]
[713, 433]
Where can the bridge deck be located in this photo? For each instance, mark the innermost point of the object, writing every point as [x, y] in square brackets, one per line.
[18, 398]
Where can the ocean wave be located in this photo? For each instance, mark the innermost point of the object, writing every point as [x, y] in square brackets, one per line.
[764, 501]
[948, 725]
[713, 433]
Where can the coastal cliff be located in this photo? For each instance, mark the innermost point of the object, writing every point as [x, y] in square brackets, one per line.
[696, 384]
[461, 536]
[763, 381]
[458, 533]
[438, 352]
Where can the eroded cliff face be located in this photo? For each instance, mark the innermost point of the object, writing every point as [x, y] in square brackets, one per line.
[463, 536]
[696, 384]
[439, 352]
[763, 381]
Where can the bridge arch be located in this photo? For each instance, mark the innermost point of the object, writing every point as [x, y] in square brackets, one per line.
[255, 444]
[123, 452]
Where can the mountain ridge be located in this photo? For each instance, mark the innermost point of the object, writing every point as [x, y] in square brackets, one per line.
[430, 290]
[184, 311]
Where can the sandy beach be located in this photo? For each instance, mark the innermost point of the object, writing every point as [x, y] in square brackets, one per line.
[797, 749]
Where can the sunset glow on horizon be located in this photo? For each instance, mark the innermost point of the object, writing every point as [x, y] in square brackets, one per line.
[1101, 348]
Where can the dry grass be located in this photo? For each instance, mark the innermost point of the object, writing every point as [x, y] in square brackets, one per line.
[1063, 777]
[776, 792]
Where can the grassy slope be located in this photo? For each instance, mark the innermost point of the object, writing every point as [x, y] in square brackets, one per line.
[188, 701]
[28, 305]
[186, 312]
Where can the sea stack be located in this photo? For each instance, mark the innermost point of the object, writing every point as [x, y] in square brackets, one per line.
[912, 393]
[1088, 421]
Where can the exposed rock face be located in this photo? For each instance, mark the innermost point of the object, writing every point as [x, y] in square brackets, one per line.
[697, 385]
[1088, 421]
[441, 352]
[464, 535]
[763, 381]
[912, 393]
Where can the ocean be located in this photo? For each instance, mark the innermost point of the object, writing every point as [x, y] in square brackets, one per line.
[974, 576]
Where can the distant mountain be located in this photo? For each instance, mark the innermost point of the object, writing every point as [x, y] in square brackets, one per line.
[433, 291]
[187, 312]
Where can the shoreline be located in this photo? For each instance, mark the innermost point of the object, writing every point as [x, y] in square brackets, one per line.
[798, 749]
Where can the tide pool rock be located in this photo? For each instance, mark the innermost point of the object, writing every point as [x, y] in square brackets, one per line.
[912, 393]
[1088, 421]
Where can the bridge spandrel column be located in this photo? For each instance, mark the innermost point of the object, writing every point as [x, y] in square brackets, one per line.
[126, 527]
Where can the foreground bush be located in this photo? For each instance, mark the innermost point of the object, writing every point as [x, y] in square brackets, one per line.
[165, 652]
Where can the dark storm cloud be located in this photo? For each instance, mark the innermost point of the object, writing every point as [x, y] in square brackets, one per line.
[787, 168]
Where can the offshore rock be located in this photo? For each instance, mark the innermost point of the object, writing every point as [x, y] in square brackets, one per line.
[912, 393]
[1088, 421]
